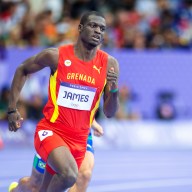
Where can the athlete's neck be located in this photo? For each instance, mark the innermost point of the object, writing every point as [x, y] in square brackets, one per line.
[83, 52]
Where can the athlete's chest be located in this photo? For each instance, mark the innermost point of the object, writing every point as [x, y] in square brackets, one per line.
[79, 83]
[91, 73]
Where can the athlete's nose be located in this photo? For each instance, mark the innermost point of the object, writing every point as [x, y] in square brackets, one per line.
[98, 29]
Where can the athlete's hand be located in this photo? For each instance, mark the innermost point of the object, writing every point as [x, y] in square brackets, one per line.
[14, 120]
[112, 77]
[97, 129]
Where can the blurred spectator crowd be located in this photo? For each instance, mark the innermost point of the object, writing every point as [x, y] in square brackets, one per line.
[137, 24]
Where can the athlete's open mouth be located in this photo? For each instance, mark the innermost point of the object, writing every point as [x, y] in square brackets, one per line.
[96, 37]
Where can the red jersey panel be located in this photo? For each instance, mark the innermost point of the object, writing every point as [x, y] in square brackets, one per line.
[75, 89]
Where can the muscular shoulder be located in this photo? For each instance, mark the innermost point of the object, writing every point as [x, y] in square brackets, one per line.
[48, 58]
[50, 51]
[112, 62]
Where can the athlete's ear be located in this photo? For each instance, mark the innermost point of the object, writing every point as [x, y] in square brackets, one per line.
[80, 28]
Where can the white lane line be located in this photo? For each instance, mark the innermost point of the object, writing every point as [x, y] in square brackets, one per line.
[141, 185]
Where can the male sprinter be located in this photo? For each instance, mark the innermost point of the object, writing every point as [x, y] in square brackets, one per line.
[79, 74]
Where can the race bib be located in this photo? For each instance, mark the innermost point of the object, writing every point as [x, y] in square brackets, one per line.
[76, 96]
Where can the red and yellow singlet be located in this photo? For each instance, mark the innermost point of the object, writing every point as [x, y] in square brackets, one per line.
[75, 90]
[84, 76]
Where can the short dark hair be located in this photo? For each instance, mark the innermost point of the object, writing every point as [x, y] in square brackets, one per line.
[86, 15]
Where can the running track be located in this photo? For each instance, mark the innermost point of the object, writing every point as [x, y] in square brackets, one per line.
[115, 171]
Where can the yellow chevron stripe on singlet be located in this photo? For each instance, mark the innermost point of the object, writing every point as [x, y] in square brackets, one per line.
[96, 106]
[52, 87]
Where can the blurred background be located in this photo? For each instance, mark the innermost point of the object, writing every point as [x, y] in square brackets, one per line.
[151, 39]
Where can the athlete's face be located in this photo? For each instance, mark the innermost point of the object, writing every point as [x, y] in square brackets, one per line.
[93, 30]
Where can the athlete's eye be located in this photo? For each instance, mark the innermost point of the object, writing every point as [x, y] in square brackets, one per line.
[93, 26]
[102, 29]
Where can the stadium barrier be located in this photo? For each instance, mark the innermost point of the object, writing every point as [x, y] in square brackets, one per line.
[136, 135]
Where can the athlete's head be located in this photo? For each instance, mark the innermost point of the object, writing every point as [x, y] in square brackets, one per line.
[92, 28]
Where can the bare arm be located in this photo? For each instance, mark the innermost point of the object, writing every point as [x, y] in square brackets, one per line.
[111, 88]
[46, 58]
[97, 128]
